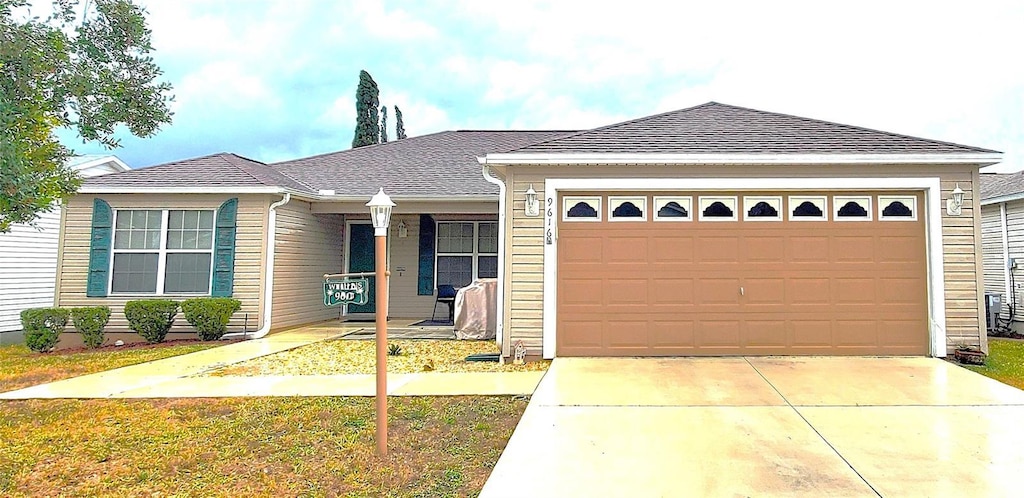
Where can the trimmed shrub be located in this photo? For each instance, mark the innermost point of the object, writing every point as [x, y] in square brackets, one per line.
[90, 322]
[43, 327]
[210, 315]
[151, 318]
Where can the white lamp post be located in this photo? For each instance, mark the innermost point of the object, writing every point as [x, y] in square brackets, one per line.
[380, 213]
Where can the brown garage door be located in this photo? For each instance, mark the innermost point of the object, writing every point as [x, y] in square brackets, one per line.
[677, 273]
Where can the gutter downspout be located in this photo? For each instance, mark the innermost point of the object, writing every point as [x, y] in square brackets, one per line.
[268, 289]
[499, 318]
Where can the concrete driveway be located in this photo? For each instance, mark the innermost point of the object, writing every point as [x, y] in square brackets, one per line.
[765, 427]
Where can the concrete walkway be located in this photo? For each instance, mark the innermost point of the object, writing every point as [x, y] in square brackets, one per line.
[175, 377]
[764, 427]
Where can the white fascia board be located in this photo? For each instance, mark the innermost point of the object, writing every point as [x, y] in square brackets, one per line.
[113, 161]
[987, 159]
[411, 198]
[1003, 198]
[100, 189]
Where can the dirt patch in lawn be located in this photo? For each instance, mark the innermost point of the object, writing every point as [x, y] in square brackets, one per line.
[359, 357]
[20, 367]
[439, 446]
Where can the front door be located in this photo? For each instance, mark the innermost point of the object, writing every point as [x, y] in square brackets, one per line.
[360, 259]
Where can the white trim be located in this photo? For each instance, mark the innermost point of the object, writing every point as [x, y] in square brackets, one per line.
[687, 199]
[775, 201]
[813, 199]
[161, 251]
[933, 217]
[897, 198]
[548, 158]
[473, 256]
[101, 189]
[724, 199]
[865, 202]
[638, 201]
[593, 200]
[1006, 254]
[1003, 198]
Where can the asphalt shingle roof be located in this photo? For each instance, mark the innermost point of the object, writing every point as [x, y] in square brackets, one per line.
[714, 128]
[437, 165]
[1000, 184]
[217, 170]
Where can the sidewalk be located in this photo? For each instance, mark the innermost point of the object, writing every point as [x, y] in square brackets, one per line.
[174, 377]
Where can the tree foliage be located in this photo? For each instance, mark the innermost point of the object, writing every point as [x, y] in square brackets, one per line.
[399, 124]
[383, 124]
[367, 100]
[91, 73]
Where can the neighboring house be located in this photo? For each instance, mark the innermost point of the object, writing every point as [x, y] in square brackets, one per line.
[28, 253]
[713, 230]
[1002, 239]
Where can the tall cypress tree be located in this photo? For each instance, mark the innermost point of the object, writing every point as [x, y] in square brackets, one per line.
[367, 100]
[383, 124]
[399, 124]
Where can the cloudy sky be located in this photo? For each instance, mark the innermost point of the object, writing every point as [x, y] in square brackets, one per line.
[276, 79]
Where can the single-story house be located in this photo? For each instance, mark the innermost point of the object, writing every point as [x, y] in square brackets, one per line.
[712, 230]
[28, 252]
[1002, 244]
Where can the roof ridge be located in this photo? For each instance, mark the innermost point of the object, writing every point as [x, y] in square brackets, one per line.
[857, 127]
[226, 157]
[613, 125]
[245, 167]
[350, 149]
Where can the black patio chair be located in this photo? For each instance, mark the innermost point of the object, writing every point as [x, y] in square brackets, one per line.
[445, 294]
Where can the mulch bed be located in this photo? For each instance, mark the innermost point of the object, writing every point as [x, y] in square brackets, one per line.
[106, 348]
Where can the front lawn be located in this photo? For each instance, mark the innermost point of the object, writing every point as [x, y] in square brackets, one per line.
[439, 446]
[342, 356]
[1005, 362]
[20, 367]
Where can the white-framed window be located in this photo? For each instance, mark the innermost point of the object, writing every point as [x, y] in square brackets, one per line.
[167, 251]
[586, 208]
[466, 250]
[632, 208]
[718, 208]
[672, 208]
[808, 208]
[897, 207]
[762, 208]
[851, 208]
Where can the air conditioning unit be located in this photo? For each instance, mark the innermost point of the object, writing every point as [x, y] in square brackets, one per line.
[993, 307]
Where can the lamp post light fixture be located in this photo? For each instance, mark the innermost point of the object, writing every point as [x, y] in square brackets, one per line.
[955, 202]
[532, 204]
[380, 213]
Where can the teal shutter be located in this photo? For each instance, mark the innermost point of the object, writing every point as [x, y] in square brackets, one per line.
[428, 230]
[99, 249]
[224, 249]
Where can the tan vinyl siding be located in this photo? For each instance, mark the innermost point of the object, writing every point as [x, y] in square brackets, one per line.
[308, 246]
[249, 247]
[404, 262]
[961, 243]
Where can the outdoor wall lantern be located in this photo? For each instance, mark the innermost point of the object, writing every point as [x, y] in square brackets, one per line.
[532, 204]
[403, 230]
[955, 202]
[380, 212]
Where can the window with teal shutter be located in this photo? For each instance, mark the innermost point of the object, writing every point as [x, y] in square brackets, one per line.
[425, 285]
[224, 249]
[99, 248]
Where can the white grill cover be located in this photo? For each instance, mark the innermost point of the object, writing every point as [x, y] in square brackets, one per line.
[476, 308]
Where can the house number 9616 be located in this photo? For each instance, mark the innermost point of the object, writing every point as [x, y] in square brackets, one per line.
[548, 214]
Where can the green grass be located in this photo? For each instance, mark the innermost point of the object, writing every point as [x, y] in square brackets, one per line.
[251, 446]
[20, 367]
[1005, 362]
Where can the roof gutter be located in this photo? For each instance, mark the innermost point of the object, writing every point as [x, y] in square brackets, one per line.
[499, 315]
[986, 159]
[268, 288]
[322, 196]
[1003, 198]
